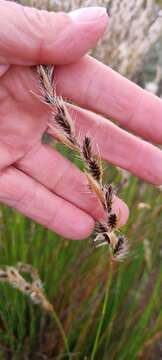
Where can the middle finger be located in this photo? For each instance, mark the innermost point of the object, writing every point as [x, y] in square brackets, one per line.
[97, 87]
[119, 147]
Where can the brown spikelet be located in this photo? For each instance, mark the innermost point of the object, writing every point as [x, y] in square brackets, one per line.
[112, 221]
[62, 138]
[118, 245]
[94, 169]
[96, 189]
[108, 198]
[91, 163]
[102, 239]
[63, 121]
[101, 228]
[61, 114]
[61, 104]
[87, 148]
[46, 82]
[121, 248]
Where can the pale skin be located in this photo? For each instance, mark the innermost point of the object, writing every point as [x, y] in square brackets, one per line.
[35, 178]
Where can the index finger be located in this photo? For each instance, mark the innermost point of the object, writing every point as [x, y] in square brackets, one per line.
[97, 87]
[29, 36]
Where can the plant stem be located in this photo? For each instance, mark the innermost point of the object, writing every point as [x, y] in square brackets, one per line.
[102, 314]
[62, 332]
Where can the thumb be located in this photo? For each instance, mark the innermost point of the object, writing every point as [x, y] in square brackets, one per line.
[29, 36]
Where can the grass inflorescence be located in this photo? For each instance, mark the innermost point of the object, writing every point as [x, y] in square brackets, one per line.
[63, 128]
[32, 288]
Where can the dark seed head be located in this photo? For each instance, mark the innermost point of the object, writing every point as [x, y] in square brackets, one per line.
[106, 237]
[108, 198]
[62, 122]
[101, 228]
[87, 149]
[94, 169]
[112, 221]
[119, 245]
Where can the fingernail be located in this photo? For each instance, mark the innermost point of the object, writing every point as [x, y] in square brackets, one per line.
[88, 14]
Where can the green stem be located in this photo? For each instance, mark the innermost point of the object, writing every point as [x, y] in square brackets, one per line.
[62, 332]
[102, 315]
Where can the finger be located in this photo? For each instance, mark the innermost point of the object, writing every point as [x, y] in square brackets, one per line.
[97, 87]
[35, 201]
[60, 176]
[29, 36]
[119, 147]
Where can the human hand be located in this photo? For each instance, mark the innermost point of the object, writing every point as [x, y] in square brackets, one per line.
[34, 178]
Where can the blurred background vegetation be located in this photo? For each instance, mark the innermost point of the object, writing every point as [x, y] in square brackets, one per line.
[75, 276]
